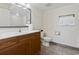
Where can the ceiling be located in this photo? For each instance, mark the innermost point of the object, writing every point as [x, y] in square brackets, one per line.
[44, 6]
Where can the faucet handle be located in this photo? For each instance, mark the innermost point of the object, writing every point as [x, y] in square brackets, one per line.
[19, 29]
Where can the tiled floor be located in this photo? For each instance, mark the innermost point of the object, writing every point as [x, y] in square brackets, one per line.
[58, 50]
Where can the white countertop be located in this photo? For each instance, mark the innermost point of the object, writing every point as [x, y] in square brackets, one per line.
[12, 34]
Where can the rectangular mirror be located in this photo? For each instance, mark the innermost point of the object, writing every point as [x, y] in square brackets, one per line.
[14, 14]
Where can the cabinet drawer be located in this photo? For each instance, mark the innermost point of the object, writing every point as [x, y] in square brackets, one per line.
[29, 36]
[17, 49]
[4, 43]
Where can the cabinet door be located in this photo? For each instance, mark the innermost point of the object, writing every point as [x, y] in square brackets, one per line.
[28, 50]
[20, 49]
[34, 43]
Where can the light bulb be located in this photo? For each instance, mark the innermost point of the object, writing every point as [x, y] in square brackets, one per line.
[24, 8]
[28, 5]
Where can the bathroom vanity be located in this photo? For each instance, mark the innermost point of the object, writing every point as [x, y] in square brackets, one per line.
[22, 44]
[16, 34]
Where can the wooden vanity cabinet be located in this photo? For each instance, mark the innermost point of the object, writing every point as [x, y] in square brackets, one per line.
[27, 44]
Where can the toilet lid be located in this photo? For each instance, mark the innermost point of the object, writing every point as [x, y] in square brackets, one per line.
[47, 38]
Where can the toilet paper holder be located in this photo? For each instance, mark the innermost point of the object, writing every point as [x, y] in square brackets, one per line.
[57, 33]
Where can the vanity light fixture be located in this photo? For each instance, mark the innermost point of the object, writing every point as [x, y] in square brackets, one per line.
[23, 5]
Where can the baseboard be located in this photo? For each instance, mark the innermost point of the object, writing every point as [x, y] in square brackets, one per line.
[66, 46]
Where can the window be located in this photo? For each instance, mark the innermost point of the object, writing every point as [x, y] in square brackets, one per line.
[67, 19]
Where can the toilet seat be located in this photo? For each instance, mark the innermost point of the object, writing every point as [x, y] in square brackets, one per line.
[47, 39]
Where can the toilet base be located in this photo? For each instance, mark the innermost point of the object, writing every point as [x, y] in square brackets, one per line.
[45, 41]
[45, 44]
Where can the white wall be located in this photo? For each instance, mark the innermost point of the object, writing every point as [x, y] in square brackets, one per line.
[36, 19]
[69, 35]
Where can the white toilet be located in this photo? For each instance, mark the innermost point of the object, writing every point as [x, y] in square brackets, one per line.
[45, 41]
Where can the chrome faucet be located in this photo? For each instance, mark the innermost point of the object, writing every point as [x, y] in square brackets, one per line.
[19, 29]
